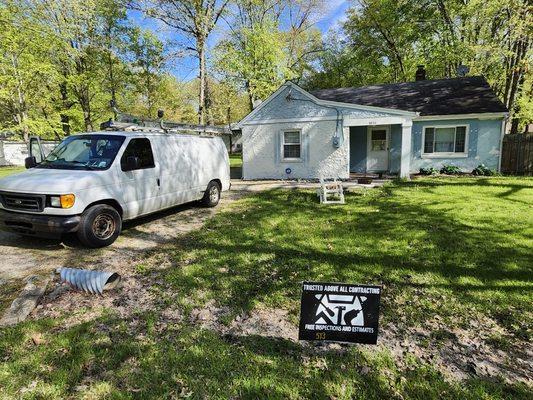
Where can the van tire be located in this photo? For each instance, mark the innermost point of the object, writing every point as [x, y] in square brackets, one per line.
[211, 195]
[100, 226]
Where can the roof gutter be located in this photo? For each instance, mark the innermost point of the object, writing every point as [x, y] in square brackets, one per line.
[492, 115]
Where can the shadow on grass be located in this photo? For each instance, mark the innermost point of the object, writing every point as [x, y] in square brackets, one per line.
[403, 237]
[281, 238]
[184, 361]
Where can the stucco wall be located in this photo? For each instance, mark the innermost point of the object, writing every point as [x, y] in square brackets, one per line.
[261, 152]
[261, 138]
[483, 145]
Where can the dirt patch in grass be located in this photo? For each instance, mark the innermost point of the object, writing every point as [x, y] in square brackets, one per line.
[264, 322]
[133, 295]
[458, 353]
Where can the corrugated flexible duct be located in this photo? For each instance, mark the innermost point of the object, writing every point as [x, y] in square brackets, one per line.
[89, 281]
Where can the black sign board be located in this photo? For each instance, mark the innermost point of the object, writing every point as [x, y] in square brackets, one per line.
[339, 312]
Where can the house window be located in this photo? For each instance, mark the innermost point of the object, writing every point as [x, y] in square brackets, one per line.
[445, 140]
[292, 145]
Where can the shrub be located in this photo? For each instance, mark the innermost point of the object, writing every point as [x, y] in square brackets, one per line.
[429, 171]
[450, 170]
[482, 170]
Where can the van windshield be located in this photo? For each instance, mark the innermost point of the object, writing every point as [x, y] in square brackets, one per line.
[89, 152]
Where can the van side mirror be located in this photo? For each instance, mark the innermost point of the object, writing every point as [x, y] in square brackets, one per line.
[30, 162]
[132, 163]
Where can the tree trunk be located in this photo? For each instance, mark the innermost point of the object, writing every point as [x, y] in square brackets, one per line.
[85, 103]
[65, 120]
[21, 109]
[203, 80]
[112, 84]
[516, 109]
[83, 95]
[208, 113]
[248, 86]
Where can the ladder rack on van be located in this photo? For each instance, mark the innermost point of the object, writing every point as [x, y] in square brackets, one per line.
[151, 126]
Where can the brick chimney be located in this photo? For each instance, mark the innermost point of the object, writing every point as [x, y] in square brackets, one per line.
[420, 73]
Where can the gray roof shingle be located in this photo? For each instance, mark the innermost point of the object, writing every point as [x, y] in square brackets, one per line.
[466, 95]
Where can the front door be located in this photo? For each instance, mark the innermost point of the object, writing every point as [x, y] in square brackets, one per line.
[377, 159]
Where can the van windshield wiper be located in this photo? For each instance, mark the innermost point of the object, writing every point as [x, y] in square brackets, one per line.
[65, 165]
[82, 164]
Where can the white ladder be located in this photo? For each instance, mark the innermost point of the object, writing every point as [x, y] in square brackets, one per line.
[330, 192]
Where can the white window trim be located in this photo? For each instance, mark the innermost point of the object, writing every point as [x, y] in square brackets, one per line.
[445, 154]
[282, 148]
[282, 144]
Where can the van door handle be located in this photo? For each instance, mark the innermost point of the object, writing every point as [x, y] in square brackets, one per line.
[158, 182]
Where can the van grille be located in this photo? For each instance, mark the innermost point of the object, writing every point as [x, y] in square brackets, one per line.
[22, 202]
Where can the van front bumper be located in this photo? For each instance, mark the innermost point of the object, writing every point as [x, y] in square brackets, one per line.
[38, 225]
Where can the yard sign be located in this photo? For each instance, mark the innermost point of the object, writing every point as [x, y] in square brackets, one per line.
[339, 312]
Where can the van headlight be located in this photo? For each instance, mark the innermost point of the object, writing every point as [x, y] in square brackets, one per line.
[63, 201]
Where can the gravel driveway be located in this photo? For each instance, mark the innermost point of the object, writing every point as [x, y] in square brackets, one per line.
[23, 256]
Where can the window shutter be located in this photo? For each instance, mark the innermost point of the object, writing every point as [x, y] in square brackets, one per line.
[277, 151]
[305, 147]
[460, 139]
[429, 140]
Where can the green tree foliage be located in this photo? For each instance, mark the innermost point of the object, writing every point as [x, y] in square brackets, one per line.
[269, 41]
[382, 41]
[195, 19]
[63, 61]
[228, 104]
[148, 62]
[24, 66]
[255, 59]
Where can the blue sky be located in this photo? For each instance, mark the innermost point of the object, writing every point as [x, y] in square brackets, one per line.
[186, 68]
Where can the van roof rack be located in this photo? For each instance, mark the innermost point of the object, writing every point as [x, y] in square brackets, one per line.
[143, 126]
[125, 122]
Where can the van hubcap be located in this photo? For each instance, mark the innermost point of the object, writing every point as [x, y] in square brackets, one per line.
[104, 226]
[213, 194]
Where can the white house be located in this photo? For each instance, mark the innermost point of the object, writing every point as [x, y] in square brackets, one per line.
[396, 129]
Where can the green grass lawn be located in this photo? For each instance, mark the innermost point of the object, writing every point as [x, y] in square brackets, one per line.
[235, 160]
[6, 171]
[457, 248]
[464, 239]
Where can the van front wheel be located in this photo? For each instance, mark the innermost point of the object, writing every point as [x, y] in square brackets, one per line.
[100, 226]
[211, 195]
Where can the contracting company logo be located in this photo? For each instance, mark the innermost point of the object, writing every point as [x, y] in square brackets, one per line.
[340, 310]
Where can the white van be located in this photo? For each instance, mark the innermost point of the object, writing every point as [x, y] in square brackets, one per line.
[92, 182]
